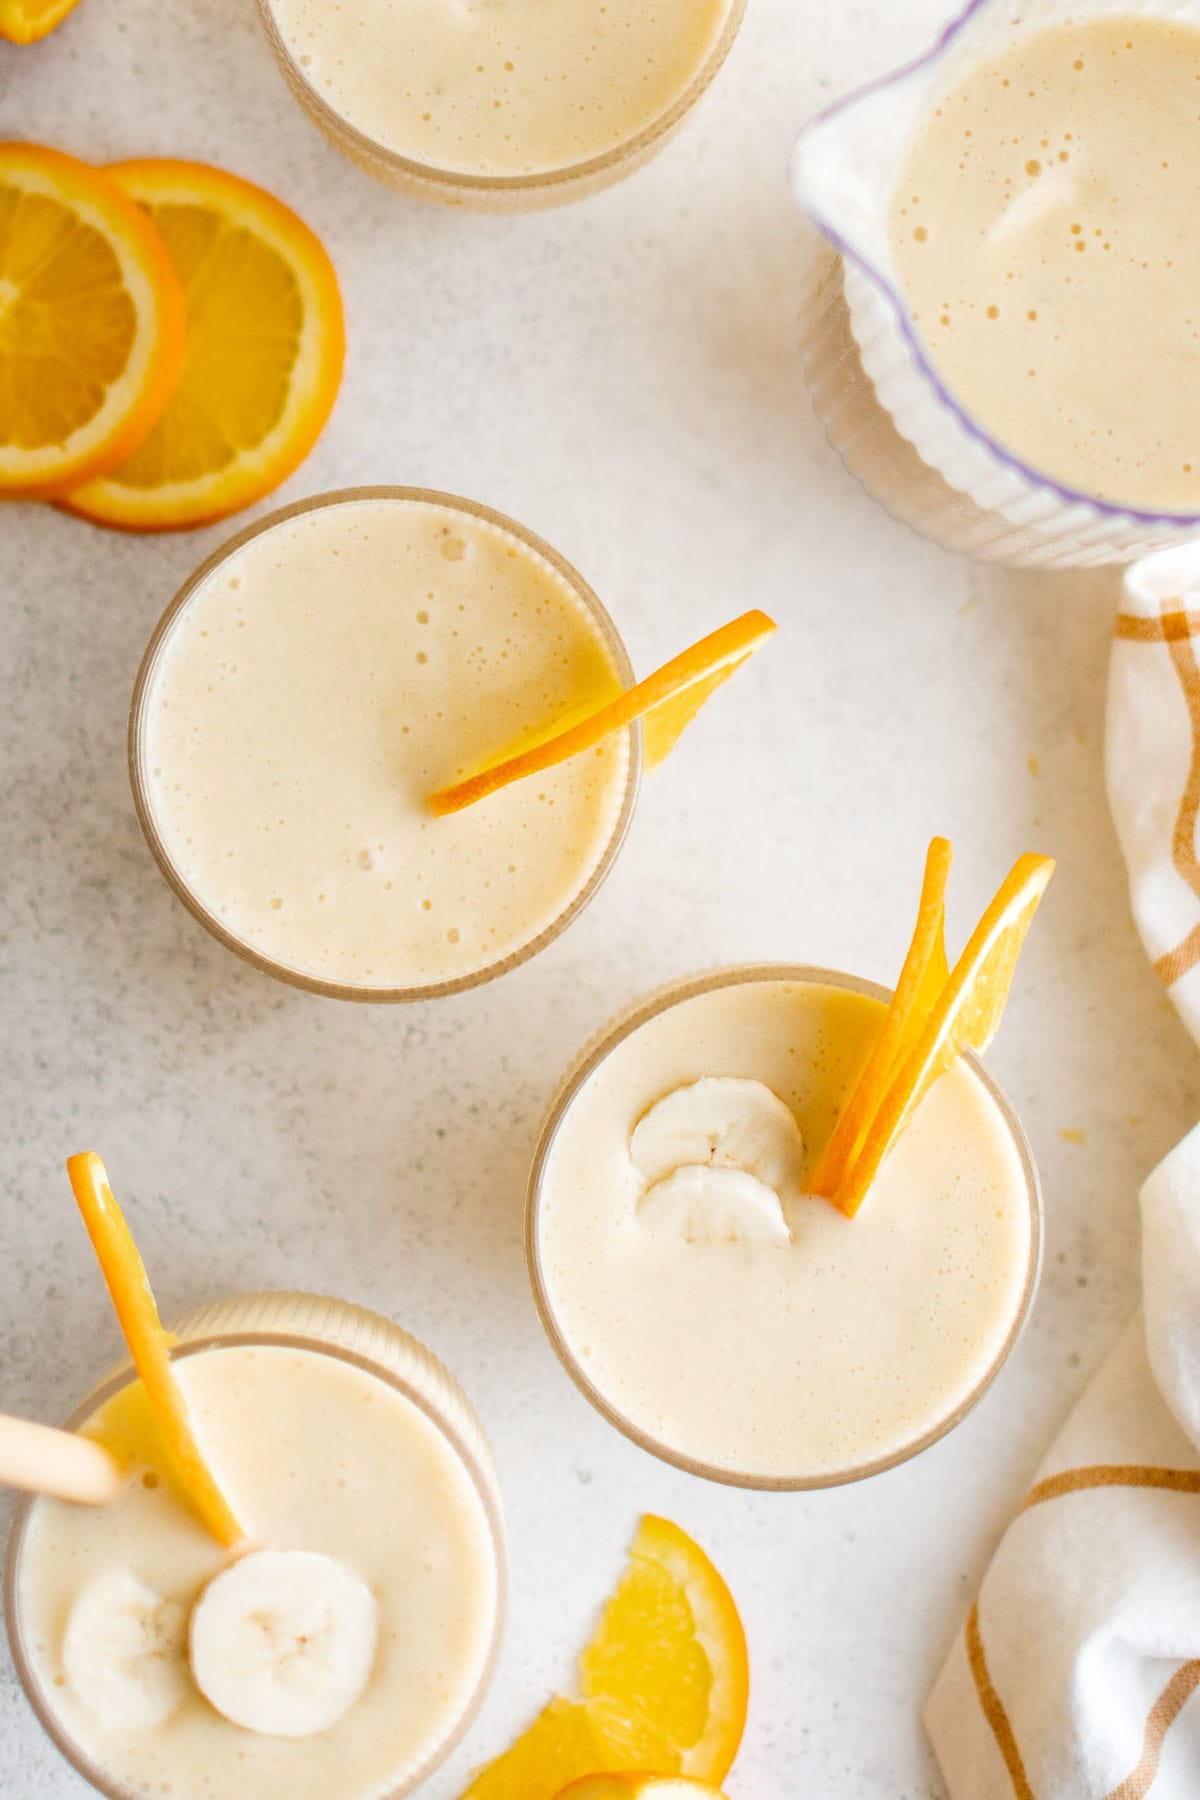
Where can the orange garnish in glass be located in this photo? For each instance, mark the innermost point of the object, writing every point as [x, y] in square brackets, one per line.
[921, 980]
[149, 1345]
[666, 702]
[965, 1016]
[664, 1682]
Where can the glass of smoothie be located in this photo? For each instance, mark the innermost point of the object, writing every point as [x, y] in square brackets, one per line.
[716, 1313]
[159, 1667]
[1001, 333]
[309, 687]
[503, 107]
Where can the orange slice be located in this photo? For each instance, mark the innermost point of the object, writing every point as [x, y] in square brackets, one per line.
[264, 352]
[148, 1343]
[921, 980]
[91, 323]
[25, 21]
[664, 1683]
[965, 1016]
[666, 701]
[640, 1787]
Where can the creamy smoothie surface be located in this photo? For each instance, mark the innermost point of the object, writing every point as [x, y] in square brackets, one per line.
[1043, 227]
[501, 87]
[794, 1343]
[320, 684]
[319, 1456]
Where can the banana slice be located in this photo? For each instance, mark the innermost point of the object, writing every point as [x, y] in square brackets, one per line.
[124, 1651]
[725, 1122]
[283, 1642]
[714, 1206]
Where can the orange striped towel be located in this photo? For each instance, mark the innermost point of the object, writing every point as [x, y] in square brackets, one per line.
[1077, 1675]
[1154, 764]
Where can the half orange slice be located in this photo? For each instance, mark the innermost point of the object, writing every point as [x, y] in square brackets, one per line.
[965, 1016]
[91, 323]
[149, 1345]
[265, 345]
[666, 702]
[664, 1682]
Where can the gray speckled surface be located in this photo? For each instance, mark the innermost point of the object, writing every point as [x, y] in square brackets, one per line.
[622, 376]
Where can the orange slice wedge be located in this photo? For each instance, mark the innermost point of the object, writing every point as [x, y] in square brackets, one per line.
[265, 345]
[921, 980]
[640, 1787]
[965, 1016]
[91, 323]
[664, 1683]
[148, 1343]
[666, 702]
[25, 21]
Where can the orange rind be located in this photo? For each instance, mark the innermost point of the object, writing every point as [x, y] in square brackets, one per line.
[264, 354]
[665, 702]
[25, 21]
[921, 980]
[92, 323]
[149, 1345]
[965, 1016]
[664, 1684]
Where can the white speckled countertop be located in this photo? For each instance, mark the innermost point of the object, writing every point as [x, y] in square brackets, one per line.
[622, 376]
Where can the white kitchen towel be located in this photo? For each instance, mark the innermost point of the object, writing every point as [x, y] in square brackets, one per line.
[1077, 1676]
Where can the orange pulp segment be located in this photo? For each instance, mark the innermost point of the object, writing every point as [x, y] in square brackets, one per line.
[666, 701]
[265, 345]
[25, 21]
[640, 1787]
[664, 1682]
[965, 1016]
[921, 980]
[148, 1343]
[92, 323]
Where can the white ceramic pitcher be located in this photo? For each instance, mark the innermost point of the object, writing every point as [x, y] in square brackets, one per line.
[895, 424]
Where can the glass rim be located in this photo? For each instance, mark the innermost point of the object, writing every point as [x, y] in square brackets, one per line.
[436, 175]
[251, 1337]
[138, 732]
[661, 1000]
[891, 294]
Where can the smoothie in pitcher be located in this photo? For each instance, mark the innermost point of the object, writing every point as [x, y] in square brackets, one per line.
[1043, 231]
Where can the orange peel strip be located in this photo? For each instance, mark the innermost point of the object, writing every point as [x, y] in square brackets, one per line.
[922, 979]
[148, 1343]
[965, 1017]
[666, 700]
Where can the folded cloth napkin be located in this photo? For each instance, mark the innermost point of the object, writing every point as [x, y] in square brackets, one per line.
[1077, 1676]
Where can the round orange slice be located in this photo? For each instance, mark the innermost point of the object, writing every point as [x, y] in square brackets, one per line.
[265, 344]
[664, 1685]
[666, 702]
[149, 1344]
[91, 323]
[640, 1787]
[965, 1016]
[25, 21]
